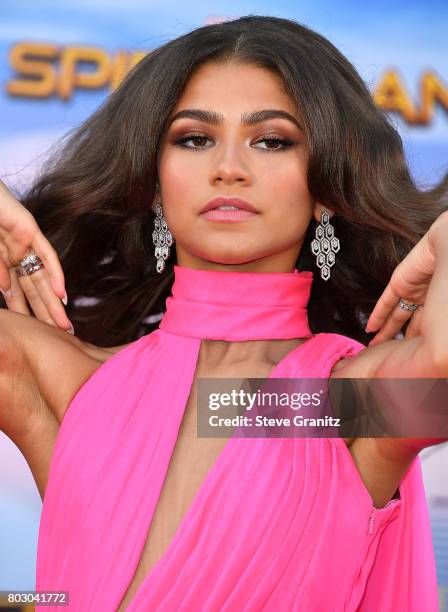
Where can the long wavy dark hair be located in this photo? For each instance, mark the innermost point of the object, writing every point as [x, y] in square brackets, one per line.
[93, 198]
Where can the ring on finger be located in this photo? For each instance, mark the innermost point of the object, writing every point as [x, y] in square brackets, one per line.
[30, 264]
[409, 306]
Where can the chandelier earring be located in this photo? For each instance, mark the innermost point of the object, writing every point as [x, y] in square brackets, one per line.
[325, 245]
[161, 237]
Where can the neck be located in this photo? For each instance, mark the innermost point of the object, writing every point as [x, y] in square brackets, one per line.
[284, 261]
[243, 318]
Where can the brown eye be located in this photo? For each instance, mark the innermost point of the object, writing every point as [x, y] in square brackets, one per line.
[279, 144]
[199, 139]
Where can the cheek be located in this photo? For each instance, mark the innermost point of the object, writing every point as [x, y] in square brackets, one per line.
[180, 185]
[173, 175]
[286, 175]
[289, 195]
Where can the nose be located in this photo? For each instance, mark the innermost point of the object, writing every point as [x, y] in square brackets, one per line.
[229, 166]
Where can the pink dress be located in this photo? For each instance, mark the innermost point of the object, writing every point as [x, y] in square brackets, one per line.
[278, 524]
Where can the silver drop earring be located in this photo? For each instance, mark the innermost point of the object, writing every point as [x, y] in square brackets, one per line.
[325, 245]
[161, 237]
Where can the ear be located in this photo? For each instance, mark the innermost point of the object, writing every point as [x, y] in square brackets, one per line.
[318, 208]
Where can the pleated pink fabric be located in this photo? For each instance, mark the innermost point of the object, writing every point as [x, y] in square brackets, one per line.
[278, 524]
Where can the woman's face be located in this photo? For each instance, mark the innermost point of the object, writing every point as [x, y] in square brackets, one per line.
[264, 163]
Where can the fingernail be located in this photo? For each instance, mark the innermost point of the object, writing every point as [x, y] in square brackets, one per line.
[71, 330]
[65, 299]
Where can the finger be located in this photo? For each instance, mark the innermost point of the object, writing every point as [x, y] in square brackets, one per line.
[5, 280]
[46, 306]
[392, 326]
[51, 261]
[414, 328]
[19, 230]
[53, 304]
[410, 278]
[14, 297]
[34, 300]
[385, 305]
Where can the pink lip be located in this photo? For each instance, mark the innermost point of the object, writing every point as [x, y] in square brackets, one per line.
[228, 215]
[229, 201]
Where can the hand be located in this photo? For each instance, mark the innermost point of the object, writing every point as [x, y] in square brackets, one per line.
[43, 290]
[410, 281]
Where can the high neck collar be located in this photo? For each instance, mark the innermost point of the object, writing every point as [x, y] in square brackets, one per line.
[235, 306]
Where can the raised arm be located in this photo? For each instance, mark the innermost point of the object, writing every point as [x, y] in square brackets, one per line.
[41, 369]
[41, 365]
[422, 277]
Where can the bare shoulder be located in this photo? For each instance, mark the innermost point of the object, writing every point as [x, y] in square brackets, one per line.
[365, 363]
[56, 363]
[361, 365]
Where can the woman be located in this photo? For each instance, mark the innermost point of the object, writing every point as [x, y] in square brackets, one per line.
[266, 111]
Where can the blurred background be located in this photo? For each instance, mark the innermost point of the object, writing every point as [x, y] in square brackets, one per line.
[59, 60]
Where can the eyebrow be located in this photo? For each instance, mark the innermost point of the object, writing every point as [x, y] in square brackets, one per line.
[247, 119]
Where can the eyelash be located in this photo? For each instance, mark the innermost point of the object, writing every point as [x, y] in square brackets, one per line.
[286, 142]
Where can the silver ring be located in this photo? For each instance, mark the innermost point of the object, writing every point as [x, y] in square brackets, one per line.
[30, 264]
[408, 305]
